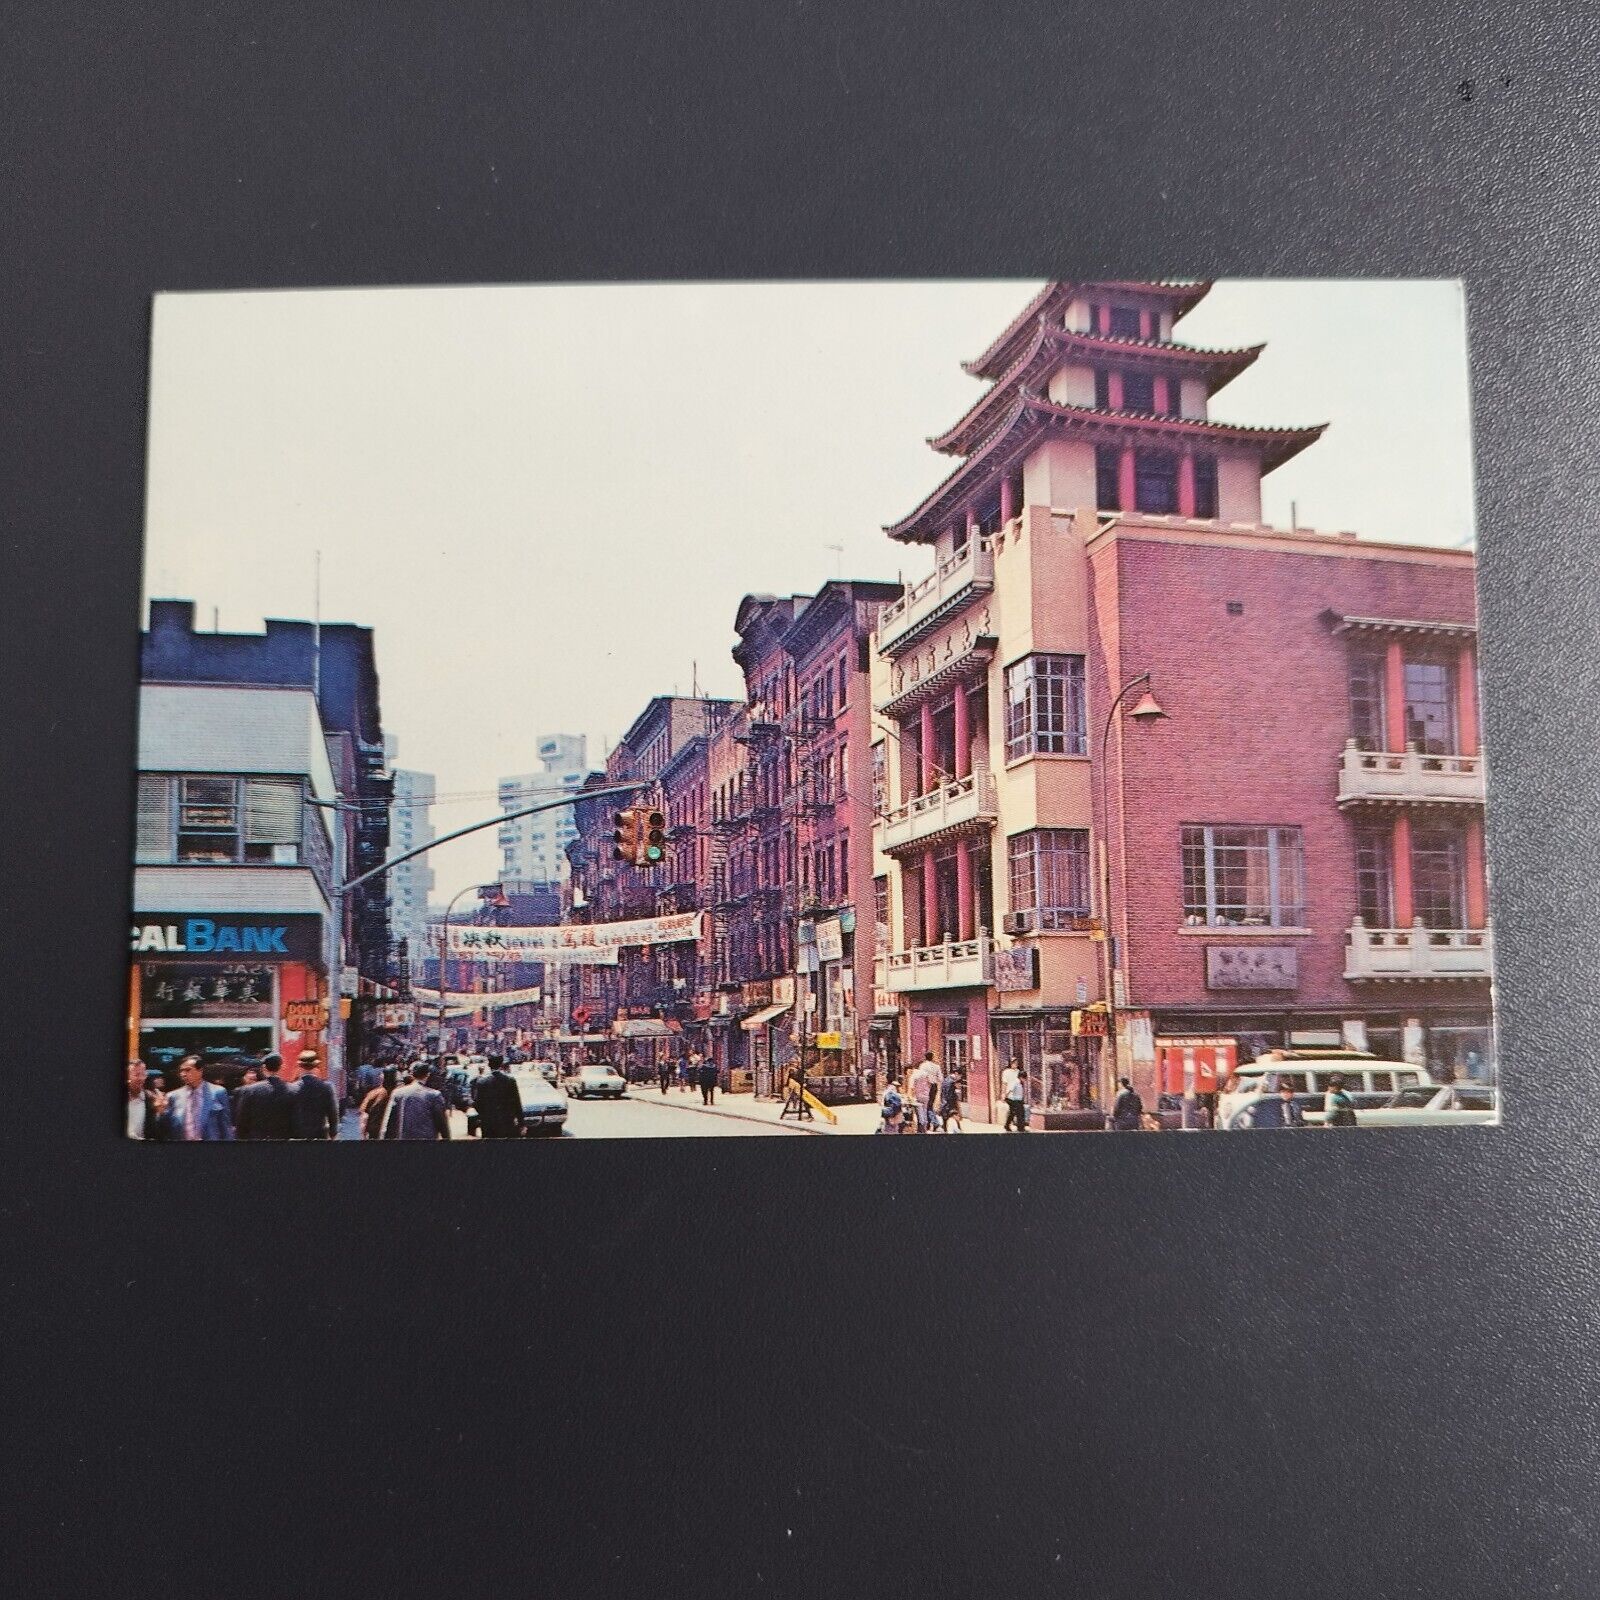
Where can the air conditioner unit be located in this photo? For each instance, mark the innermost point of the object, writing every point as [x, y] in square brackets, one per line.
[1017, 922]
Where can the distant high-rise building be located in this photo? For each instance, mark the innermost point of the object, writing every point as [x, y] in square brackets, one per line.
[534, 849]
[410, 825]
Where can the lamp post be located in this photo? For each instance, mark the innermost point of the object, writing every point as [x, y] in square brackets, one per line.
[1147, 711]
[444, 948]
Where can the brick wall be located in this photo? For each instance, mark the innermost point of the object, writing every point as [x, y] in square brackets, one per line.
[1257, 708]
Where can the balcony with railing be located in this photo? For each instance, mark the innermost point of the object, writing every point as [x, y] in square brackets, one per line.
[968, 801]
[956, 581]
[1411, 776]
[1417, 953]
[963, 964]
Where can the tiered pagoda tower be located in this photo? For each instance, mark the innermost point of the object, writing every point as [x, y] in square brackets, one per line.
[1092, 402]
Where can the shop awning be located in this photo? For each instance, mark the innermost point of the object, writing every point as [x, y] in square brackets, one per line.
[762, 1017]
[884, 1022]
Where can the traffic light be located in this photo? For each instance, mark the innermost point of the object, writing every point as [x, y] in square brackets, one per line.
[625, 836]
[653, 845]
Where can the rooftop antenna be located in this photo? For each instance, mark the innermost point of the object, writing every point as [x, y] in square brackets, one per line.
[216, 626]
[316, 628]
[838, 566]
[1294, 513]
[694, 680]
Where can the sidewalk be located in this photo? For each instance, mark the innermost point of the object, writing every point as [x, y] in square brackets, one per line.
[746, 1108]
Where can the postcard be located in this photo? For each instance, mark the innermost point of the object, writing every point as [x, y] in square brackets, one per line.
[593, 712]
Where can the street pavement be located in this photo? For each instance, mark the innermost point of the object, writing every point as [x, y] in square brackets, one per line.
[645, 1113]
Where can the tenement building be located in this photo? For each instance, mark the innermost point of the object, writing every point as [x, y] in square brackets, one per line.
[1153, 774]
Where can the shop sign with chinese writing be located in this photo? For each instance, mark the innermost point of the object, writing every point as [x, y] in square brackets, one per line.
[830, 940]
[195, 989]
[1252, 966]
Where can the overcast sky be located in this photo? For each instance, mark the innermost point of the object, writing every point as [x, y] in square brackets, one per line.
[548, 502]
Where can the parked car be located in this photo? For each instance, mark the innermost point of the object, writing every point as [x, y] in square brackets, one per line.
[597, 1080]
[1429, 1105]
[544, 1104]
[1367, 1080]
[552, 1073]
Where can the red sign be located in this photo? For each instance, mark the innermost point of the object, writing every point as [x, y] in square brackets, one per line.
[1212, 1061]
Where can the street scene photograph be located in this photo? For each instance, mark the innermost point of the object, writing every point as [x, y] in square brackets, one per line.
[793, 710]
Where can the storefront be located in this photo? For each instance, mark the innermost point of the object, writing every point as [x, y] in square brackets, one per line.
[1450, 1040]
[227, 987]
[955, 1032]
[1062, 1065]
[768, 1031]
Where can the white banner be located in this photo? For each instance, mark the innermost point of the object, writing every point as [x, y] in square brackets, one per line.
[579, 942]
[460, 1000]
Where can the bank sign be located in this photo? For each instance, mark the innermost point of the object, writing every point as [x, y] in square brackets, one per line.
[180, 933]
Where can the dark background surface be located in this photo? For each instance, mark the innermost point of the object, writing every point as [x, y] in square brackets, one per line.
[799, 1367]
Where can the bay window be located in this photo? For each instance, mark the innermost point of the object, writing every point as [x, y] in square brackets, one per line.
[1046, 712]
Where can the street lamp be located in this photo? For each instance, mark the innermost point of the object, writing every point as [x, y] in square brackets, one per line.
[1146, 713]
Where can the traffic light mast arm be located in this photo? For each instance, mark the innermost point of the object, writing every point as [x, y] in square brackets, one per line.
[477, 827]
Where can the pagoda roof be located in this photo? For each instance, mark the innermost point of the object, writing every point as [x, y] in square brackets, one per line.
[1052, 343]
[1032, 416]
[1054, 298]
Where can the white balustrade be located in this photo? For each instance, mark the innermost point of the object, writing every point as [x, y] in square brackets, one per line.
[968, 799]
[955, 964]
[969, 569]
[1409, 774]
[1417, 952]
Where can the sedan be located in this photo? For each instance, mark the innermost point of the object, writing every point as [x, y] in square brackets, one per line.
[1430, 1105]
[602, 1080]
[544, 1105]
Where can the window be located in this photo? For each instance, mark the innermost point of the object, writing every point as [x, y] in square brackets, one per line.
[844, 866]
[880, 914]
[219, 820]
[1045, 713]
[1366, 699]
[1107, 479]
[1373, 903]
[1102, 389]
[1437, 880]
[1174, 406]
[1205, 486]
[880, 778]
[1050, 875]
[1124, 322]
[1243, 877]
[1156, 481]
[1430, 706]
[1138, 392]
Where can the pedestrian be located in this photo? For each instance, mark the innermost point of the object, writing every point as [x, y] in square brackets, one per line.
[417, 1111]
[198, 1110]
[1014, 1091]
[924, 1091]
[263, 1109]
[664, 1073]
[950, 1102]
[893, 1107]
[368, 1077]
[1127, 1110]
[375, 1102]
[685, 1072]
[252, 1074]
[313, 1106]
[1282, 1112]
[498, 1102]
[1338, 1109]
[147, 1107]
[706, 1070]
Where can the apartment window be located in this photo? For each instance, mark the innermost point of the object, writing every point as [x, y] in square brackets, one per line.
[1437, 881]
[1107, 479]
[880, 913]
[1045, 712]
[1431, 705]
[1366, 699]
[1156, 481]
[1050, 875]
[1124, 322]
[844, 866]
[1138, 392]
[1243, 877]
[1374, 899]
[880, 778]
[1205, 486]
[219, 820]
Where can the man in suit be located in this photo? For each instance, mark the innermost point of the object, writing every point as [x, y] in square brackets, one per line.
[263, 1109]
[498, 1102]
[198, 1110]
[313, 1106]
[417, 1111]
[146, 1106]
